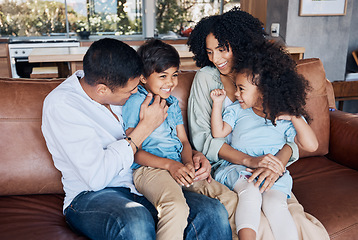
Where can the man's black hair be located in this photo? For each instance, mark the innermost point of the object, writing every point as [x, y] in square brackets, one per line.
[158, 56]
[112, 63]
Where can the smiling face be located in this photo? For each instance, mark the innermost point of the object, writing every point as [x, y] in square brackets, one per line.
[162, 83]
[247, 93]
[221, 57]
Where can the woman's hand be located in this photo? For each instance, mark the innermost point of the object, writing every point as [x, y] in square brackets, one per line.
[264, 174]
[268, 161]
[202, 167]
[182, 174]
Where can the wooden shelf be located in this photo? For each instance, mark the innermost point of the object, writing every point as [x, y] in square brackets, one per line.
[345, 90]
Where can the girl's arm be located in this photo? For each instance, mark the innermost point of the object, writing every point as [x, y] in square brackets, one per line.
[219, 128]
[305, 138]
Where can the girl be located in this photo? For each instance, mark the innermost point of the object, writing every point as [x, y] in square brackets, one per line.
[270, 99]
[217, 42]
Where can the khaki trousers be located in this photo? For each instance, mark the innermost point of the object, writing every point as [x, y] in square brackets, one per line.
[166, 195]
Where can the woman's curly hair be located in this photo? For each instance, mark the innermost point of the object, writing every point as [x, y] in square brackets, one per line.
[274, 72]
[235, 29]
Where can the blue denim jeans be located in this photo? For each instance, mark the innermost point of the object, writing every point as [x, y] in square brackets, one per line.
[116, 213]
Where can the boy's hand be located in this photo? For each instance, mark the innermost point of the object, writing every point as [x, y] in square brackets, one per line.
[218, 95]
[153, 114]
[202, 167]
[264, 174]
[182, 174]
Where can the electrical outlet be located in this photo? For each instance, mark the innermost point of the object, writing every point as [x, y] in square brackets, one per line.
[275, 29]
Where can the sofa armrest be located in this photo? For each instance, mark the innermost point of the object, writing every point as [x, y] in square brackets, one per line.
[343, 142]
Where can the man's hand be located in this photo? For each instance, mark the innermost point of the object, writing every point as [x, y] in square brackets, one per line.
[202, 167]
[153, 115]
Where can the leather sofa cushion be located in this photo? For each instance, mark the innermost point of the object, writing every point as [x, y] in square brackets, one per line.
[34, 217]
[326, 190]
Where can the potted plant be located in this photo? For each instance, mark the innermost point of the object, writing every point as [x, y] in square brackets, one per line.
[82, 30]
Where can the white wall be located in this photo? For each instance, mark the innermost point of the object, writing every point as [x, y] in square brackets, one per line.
[330, 38]
[324, 37]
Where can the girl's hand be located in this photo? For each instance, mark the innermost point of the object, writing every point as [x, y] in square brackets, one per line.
[268, 161]
[202, 167]
[285, 117]
[264, 174]
[182, 174]
[218, 95]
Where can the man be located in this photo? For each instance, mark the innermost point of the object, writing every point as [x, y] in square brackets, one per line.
[82, 126]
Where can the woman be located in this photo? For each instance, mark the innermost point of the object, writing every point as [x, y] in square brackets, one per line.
[216, 42]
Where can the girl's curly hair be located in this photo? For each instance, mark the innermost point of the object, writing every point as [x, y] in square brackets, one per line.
[235, 29]
[274, 72]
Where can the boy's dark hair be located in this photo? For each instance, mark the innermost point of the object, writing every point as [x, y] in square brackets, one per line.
[274, 72]
[112, 63]
[235, 28]
[157, 56]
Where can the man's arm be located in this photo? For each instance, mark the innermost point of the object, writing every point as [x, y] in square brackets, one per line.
[150, 117]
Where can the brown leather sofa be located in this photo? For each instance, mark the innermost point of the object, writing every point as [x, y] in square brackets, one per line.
[31, 195]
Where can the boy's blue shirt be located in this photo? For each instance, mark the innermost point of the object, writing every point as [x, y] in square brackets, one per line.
[163, 141]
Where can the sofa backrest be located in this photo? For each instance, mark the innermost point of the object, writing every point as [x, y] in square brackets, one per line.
[318, 104]
[26, 166]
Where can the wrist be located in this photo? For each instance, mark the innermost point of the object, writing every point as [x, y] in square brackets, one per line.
[217, 103]
[132, 143]
[247, 161]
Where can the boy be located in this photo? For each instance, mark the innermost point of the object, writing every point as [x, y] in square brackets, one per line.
[165, 164]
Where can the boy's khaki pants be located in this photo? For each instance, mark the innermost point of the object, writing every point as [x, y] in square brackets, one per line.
[166, 195]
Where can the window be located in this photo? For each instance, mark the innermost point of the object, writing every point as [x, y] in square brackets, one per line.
[37, 17]
[178, 15]
[102, 17]
[50, 18]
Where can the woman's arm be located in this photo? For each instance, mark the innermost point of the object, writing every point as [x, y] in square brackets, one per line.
[199, 113]
[265, 174]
